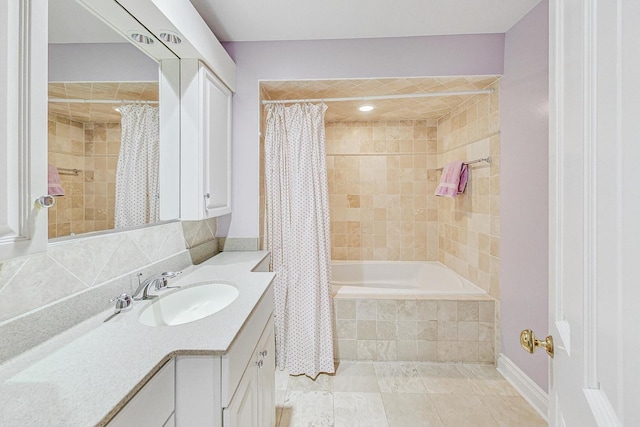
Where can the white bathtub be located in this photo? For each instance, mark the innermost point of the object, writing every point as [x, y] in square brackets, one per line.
[393, 279]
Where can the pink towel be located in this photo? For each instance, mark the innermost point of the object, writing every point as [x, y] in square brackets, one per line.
[453, 180]
[55, 186]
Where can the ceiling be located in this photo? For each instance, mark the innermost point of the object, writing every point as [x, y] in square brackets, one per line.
[244, 20]
[99, 113]
[395, 109]
[253, 20]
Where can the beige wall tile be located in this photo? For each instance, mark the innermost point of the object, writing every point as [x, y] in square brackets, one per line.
[386, 187]
[83, 146]
[469, 225]
[366, 330]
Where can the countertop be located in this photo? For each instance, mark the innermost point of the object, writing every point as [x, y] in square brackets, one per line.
[83, 376]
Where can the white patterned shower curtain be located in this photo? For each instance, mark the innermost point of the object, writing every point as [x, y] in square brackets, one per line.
[137, 191]
[297, 234]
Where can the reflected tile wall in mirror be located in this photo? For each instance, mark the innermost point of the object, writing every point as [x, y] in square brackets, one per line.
[87, 137]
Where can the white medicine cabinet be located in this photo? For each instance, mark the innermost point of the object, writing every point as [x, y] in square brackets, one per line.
[205, 156]
[206, 142]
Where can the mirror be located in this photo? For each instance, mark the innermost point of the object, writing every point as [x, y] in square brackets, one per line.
[113, 125]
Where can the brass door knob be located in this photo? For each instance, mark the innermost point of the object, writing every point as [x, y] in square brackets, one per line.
[529, 342]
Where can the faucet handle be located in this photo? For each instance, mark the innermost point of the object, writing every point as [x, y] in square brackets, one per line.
[161, 284]
[122, 301]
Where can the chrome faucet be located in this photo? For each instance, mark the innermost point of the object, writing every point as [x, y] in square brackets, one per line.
[159, 281]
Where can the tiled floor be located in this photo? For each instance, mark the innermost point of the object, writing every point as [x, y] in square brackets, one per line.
[402, 394]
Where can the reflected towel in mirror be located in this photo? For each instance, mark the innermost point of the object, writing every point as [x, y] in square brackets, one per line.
[55, 186]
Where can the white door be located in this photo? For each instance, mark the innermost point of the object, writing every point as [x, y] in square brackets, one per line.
[595, 212]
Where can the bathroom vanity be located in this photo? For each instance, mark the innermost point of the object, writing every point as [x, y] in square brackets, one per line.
[113, 370]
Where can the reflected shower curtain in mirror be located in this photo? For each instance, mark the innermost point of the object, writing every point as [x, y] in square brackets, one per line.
[137, 193]
[297, 234]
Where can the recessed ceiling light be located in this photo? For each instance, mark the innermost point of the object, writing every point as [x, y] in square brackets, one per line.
[169, 37]
[140, 38]
[365, 108]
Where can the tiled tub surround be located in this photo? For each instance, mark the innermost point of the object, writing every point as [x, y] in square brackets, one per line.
[44, 294]
[85, 375]
[381, 181]
[469, 225]
[447, 329]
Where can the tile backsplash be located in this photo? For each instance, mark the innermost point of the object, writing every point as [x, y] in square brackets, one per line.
[43, 294]
[200, 238]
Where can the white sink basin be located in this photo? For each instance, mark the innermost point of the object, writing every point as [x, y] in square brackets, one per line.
[189, 304]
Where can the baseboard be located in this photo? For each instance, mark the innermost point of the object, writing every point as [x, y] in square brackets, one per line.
[530, 391]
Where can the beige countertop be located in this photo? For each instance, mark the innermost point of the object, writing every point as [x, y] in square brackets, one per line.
[84, 375]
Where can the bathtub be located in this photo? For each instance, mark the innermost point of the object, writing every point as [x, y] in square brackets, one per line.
[410, 311]
[357, 279]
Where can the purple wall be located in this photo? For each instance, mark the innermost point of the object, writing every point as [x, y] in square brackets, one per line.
[334, 59]
[524, 118]
[100, 62]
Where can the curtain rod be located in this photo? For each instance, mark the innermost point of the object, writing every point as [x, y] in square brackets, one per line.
[100, 101]
[486, 159]
[380, 97]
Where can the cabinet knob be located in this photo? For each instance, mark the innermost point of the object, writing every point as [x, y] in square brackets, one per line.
[260, 363]
[46, 201]
[207, 196]
[263, 353]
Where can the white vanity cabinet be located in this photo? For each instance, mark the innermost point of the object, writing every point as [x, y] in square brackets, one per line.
[153, 405]
[253, 403]
[236, 389]
[205, 142]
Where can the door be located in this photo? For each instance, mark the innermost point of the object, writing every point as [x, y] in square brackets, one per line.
[594, 212]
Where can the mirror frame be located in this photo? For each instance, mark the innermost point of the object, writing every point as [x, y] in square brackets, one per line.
[121, 22]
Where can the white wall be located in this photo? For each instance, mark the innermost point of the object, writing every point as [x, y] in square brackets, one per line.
[333, 59]
[100, 62]
[524, 98]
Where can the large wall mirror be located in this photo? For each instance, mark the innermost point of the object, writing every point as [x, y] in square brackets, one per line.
[113, 123]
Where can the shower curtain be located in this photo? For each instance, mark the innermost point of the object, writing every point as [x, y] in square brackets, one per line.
[297, 234]
[137, 193]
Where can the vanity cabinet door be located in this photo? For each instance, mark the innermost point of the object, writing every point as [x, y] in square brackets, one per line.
[205, 143]
[266, 355]
[243, 408]
[253, 403]
[153, 405]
